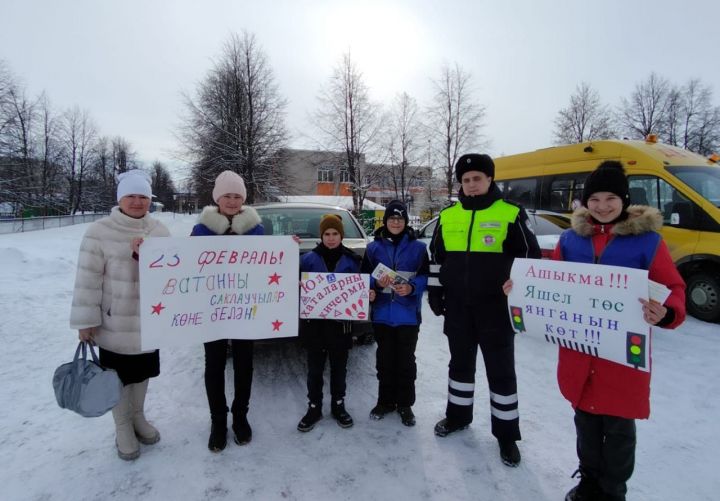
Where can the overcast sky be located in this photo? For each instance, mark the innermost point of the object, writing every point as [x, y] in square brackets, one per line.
[128, 62]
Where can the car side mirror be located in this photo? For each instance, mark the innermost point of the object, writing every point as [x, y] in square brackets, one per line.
[682, 213]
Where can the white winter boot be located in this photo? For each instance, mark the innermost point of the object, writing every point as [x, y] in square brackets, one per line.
[144, 431]
[127, 445]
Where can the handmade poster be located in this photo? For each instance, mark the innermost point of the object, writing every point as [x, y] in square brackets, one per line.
[199, 289]
[335, 296]
[590, 308]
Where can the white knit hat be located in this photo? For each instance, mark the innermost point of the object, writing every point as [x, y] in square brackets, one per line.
[134, 182]
[229, 182]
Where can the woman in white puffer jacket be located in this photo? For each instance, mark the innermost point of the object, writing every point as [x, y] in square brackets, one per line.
[105, 307]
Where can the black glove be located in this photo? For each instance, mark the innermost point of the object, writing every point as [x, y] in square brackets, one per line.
[437, 302]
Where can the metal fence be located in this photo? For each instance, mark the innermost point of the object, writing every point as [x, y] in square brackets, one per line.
[43, 223]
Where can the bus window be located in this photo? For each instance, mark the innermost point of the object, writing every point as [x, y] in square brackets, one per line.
[562, 193]
[644, 190]
[663, 196]
[521, 192]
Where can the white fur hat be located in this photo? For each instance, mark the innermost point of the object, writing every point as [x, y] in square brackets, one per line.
[134, 182]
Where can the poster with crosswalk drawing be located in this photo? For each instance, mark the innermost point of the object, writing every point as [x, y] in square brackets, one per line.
[590, 308]
[335, 296]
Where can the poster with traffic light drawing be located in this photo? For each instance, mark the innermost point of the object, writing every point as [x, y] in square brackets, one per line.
[200, 289]
[590, 308]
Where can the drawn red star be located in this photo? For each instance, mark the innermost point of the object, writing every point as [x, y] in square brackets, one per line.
[274, 278]
[157, 308]
[276, 325]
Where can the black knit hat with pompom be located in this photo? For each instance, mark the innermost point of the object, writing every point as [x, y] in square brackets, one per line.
[609, 176]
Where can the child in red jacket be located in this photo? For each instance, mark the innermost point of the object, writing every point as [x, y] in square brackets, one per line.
[608, 397]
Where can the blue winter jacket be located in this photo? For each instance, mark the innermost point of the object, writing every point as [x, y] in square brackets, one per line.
[408, 256]
[200, 230]
[316, 334]
[312, 261]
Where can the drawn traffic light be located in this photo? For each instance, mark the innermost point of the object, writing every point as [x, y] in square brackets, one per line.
[635, 349]
[517, 318]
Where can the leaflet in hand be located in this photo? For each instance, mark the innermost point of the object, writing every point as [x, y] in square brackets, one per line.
[658, 292]
[381, 270]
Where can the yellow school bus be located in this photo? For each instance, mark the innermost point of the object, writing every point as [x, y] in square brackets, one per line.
[684, 186]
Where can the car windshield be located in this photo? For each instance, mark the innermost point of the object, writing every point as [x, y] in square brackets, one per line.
[704, 180]
[303, 222]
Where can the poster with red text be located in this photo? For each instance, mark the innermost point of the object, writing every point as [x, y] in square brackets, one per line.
[590, 308]
[199, 289]
[335, 296]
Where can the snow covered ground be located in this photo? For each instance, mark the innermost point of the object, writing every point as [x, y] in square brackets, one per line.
[52, 454]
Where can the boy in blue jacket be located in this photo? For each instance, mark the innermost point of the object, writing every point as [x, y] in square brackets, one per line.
[327, 338]
[396, 310]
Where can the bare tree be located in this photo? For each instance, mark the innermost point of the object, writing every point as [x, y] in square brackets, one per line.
[78, 132]
[694, 123]
[585, 119]
[7, 117]
[162, 185]
[99, 181]
[48, 155]
[28, 148]
[19, 115]
[349, 121]
[237, 121]
[646, 110]
[123, 156]
[405, 140]
[456, 120]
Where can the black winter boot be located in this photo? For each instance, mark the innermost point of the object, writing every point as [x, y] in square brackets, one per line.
[218, 433]
[312, 416]
[340, 414]
[241, 428]
[587, 490]
[509, 453]
[406, 416]
[380, 410]
[446, 426]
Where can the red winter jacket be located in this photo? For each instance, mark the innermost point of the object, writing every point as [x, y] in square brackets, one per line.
[597, 385]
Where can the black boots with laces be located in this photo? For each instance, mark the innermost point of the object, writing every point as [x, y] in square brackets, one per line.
[381, 410]
[311, 417]
[406, 416]
[340, 414]
[587, 489]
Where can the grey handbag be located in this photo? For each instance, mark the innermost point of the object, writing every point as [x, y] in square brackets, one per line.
[84, 386]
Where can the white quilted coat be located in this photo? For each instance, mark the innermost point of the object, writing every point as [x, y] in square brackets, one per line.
[107, 292]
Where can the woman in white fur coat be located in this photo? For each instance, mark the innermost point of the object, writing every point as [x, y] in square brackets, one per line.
[105, 306]
[230, 217]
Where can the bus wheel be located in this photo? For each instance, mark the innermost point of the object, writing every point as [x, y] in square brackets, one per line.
[703, 297]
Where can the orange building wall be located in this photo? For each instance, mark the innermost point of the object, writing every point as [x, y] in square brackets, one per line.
[329, 189]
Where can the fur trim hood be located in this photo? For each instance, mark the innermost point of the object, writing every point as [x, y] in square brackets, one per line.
[242, 222]
[641, 219]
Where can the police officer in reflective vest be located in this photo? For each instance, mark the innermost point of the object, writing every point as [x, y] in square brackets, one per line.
[473, 249]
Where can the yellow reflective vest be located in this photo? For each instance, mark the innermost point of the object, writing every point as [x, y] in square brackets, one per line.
[477, 230]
